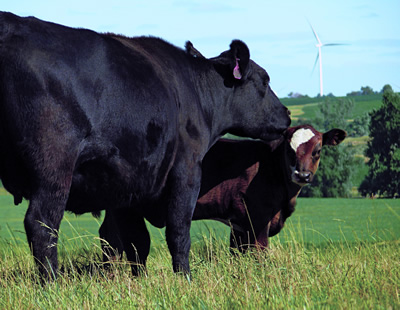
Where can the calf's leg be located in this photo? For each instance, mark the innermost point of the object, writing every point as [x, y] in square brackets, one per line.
[241, 240]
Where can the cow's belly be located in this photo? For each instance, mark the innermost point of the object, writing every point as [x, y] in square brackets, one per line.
[107, 182]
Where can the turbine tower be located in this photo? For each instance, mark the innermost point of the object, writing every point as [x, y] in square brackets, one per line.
[319, 45]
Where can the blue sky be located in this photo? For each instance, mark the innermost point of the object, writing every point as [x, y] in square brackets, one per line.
[277, 32]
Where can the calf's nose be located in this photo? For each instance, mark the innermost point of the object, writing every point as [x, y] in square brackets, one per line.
[304, 176]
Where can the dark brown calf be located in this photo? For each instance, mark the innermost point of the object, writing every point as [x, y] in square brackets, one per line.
[248, 186]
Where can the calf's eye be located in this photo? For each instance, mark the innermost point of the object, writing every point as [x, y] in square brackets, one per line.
[316, 153]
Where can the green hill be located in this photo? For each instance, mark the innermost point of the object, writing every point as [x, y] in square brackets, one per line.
[305, 107]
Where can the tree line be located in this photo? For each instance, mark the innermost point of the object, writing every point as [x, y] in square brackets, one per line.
[365, 90]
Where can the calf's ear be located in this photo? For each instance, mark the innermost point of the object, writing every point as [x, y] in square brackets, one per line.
[240, 57]
[333, 137]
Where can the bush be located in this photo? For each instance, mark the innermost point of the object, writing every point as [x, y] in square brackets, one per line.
[383, 151]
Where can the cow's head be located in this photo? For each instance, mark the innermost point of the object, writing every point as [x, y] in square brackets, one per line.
[304, 144]
[252, 110]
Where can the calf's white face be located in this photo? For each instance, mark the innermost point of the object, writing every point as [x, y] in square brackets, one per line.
[301, 136]
[306, 143]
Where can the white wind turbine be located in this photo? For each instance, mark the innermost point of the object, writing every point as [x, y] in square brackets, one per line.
[319, 45]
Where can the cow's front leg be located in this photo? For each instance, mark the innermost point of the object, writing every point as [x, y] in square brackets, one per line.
[42, 221]
[184, 195]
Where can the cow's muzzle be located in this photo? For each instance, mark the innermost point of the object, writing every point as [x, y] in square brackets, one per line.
[302, 177]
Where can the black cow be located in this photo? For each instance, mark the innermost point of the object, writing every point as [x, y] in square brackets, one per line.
[246, 185]
[89, 119]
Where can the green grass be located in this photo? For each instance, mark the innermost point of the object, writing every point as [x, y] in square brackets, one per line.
[292, 276]
[325, 220]
[332, 253]
[318, 220]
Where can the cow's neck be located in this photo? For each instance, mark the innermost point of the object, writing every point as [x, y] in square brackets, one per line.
[216, 100]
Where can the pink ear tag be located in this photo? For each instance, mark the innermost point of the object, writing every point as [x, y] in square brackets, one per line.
[236, 71]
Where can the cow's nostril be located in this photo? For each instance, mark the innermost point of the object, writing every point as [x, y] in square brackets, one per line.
[288, 112]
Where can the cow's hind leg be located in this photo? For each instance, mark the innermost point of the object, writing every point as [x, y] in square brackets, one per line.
[42, 221]
[133, 236]
[137, 245]
[51, 185]
[123, 230]
[111, 237]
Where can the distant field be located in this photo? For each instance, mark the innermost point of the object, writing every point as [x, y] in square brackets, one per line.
[306, 107]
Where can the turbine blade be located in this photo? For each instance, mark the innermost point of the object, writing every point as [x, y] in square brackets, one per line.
[315, 34]
[315, 63]
[333, 44]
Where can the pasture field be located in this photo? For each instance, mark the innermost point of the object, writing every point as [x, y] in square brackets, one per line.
[306, 108]
[332, 253]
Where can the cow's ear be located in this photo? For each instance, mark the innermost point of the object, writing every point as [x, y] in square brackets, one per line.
[191, 50]
[333, 137]
[240, 57]
[233, 64]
